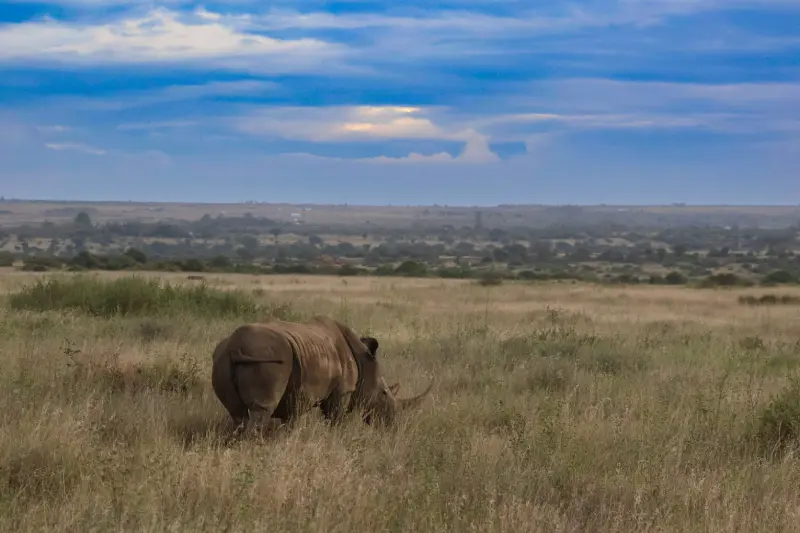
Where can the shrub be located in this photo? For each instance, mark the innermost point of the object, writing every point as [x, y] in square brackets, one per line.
[674, 278]
[349, 270]
[779, 423]
[454, 273]
[136, 254]
[293, 269]
[135, 295]
[725, 279]
[34, 267]
[779, 276]
[411, 269]
[490, 278]
[769, 299]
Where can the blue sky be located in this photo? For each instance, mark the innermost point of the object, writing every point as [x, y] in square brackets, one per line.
[376, 102]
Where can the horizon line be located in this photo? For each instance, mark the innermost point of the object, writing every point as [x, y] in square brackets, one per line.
[363, 205]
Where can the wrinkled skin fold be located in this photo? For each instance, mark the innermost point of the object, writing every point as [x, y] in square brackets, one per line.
[279, 369]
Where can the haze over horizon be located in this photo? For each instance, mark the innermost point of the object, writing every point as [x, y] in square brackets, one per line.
[371, 103]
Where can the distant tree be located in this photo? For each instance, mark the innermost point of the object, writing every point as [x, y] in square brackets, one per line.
[83, 219]
[497, 235]
[411, 268]
[136, 255]
[581, 253]
[542, 250]
[464, 248]
[675, 278]
[193, 265]
[244, 253]
[780, 276]
[219, 261]
[250, 242]
[500, 255]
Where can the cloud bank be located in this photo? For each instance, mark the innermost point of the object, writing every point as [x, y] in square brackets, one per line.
[548, 98]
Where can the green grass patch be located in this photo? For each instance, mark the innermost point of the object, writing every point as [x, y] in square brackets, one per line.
[138, 296]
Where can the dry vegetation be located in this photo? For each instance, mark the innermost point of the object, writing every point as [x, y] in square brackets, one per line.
[559, 407]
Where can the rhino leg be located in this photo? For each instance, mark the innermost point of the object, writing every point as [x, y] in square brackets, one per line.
[334, 407]
[225, 389]
[261, 388]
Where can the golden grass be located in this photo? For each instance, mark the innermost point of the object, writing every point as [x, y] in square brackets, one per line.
[559, 407]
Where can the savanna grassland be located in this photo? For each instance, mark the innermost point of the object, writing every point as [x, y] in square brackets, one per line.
[558, 407]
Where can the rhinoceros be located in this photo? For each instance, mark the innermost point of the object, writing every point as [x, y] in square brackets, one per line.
[279, 369]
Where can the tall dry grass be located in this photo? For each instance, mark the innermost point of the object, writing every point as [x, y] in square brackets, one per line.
[560, 407]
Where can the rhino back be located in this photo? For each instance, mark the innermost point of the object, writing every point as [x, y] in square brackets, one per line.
[324, 358]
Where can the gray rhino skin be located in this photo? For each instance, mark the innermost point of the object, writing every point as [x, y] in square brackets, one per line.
[279, 369]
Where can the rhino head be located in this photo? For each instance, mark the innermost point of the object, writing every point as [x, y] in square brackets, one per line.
[378, 398]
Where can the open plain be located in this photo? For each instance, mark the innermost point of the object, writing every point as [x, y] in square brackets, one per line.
[558, 407]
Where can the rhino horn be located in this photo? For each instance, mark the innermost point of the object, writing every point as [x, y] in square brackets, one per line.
[411, 403]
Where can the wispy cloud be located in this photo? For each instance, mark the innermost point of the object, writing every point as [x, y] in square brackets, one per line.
[54, 128]
[127, 99]
[526, 18]
[613, 104]
[75, 146]
[157, 125]
[160, 37]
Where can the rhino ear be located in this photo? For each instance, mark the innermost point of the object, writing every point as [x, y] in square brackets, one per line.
[372, 345]
[394, 388]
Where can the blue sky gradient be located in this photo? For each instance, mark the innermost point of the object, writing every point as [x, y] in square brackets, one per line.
[377, 102]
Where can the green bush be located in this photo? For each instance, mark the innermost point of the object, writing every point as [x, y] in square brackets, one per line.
[779, 423]
[674, 278]
[779, 277]
[411, 269]
[135, 295]
[349, 270]
[136, 255]
[454, 273]
[490, 278]
[725, 279]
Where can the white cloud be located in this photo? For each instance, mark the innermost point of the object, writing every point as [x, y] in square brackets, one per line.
[156, 125]
[413, 157]
[368, 123]
[476, 150]
[55, 128]
[342, 123]
[75, 146]
[158, 37]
